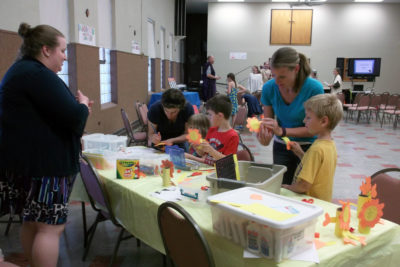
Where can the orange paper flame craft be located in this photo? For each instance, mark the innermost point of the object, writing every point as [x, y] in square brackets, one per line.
[367, 189]
[253, 124]
[166, 164]
[371, 213]
[194, 136]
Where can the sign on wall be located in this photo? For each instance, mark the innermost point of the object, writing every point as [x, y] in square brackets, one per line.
[135, 47]
[238, 55]
[86, 34]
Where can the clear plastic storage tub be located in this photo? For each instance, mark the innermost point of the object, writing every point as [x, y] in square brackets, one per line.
[264, 223]
[104, 141]
[267, 177]
[195, 188]
[106, 159]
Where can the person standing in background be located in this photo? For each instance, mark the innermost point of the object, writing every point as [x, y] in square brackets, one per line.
[255, 81]
[41, 124]
[266, 72]
[209, 79]
[284, 97]
[336, 86]
[232, 92]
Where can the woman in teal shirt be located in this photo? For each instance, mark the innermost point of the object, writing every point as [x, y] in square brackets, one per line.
[283, 97]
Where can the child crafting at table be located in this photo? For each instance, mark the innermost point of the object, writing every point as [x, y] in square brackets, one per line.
[314, 175]
[221, 139]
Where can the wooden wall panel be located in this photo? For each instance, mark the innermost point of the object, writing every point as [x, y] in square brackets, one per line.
[10, 43]
[176, 72]
[129, 78]
[83, 64]
[157, 73]
[301, 27]
[181, 72]
[280, 26]
[165, 84]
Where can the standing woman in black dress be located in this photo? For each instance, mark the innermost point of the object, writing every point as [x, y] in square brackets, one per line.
[41, 123]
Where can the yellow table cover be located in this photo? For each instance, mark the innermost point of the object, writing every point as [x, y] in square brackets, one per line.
[137, 212]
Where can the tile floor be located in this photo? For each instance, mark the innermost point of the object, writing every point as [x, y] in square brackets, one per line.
[362, 150]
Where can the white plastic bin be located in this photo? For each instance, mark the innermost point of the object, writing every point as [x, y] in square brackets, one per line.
[195, 188]
[104, 142]
[282, 237]
[267, 177]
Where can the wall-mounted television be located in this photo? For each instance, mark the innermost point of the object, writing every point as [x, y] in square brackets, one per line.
[364, 67]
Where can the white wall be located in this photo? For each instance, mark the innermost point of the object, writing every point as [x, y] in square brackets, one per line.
[55, 13]
[13, 12]
[77, 16]
[339, 30]
[117, 22]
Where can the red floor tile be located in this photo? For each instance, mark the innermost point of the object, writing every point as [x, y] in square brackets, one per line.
[379, 129]
[358, 176]
[360, 133]
[390, 133]
[373, 157]
[344, 165]
[351, 129]
[359, 148]
[252, 146]
[348, 142]
[389, 165]
[396, 149]
[338, 136]
[248, 139]
[370, 137]
[383, 143]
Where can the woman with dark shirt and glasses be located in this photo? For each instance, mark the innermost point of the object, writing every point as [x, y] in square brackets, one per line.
[168, 119]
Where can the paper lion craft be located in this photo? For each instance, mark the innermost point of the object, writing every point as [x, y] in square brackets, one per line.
[194, 136]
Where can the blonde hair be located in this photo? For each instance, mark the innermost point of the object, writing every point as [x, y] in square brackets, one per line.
[326, 105]
[200, 122]
[289, 58]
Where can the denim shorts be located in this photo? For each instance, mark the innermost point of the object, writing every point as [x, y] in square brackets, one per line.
[38, 199]
[282, 156]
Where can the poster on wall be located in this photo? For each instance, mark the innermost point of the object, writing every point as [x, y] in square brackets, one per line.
[135, 47]
[86, 34]
[238, 55]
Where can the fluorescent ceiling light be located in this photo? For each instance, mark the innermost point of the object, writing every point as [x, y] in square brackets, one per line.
[368, 1]
[285, 0]
[230, 0]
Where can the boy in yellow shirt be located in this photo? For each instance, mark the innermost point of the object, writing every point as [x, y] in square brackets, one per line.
[314, 175]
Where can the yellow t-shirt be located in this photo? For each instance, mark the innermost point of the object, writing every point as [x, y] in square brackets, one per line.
[317, 167]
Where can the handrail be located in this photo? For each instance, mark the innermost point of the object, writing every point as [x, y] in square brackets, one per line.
[243, 69]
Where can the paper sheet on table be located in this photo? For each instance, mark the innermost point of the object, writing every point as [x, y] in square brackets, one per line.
[310, 255]
[261, 210]
[267, 212]
[326, 83]
[307, 255]
[168, 194]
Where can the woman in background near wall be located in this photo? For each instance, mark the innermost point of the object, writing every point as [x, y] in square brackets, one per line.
[41, 123]
[336, 86]
[284, 96]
